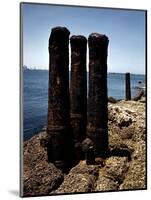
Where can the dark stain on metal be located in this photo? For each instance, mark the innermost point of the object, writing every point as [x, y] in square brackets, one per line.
[78, 90]
[97, 125]
[127, 86]
[58, 127]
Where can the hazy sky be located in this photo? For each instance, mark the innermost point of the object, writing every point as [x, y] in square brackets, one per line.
[125, 29]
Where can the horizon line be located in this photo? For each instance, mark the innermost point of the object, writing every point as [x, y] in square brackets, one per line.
[45, 69]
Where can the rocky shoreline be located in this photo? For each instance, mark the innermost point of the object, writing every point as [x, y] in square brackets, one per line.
[124, 169]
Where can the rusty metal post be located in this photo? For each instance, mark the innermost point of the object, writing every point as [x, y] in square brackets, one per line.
[127, 86]
[97, 126]
[78, 88]
[90, 156]
[58, 99]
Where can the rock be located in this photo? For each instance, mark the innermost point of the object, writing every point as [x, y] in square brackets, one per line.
[112, 100]
[117, 142]
[136, 175]
[81, 178]
[83, 168]
[135, 129]
[130, 138]
[139, 95]
[140, 151]
[123, 169]
[106, 184]
[44, 178]
[127, 132]
[133, 107]
[113, 174]
[120, 116]
[140, 130]
[76, 183]
[116, 168]
[40, 177]
[143, 100]
[86, 144]
[44, 128]
[100, 161]
[33, 152]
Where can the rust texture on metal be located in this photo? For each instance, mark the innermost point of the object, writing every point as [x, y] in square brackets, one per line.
[97, 125]
[127, 86]
[58, 127]
[78, 87]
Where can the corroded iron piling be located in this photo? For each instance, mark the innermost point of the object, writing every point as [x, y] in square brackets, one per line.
[97, 128]
[58, 100]
[127, 86]
[78, 90]
[90, 156]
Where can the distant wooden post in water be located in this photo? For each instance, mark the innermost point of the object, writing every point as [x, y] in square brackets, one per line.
[97, 126]
[78, 91]
[58, 100]
[127, 86]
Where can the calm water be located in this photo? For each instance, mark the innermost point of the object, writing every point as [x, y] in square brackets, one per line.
[35, 92]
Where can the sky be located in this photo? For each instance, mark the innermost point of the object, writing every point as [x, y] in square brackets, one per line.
[124, 28]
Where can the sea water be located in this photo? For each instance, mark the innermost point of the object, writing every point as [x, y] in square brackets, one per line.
[35, 96]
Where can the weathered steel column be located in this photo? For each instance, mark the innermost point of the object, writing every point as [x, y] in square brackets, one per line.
[78, 90]
[97, 126]
[127, 86]
[58, 103]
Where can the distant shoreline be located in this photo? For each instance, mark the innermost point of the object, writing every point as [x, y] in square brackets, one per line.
[30, 69]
